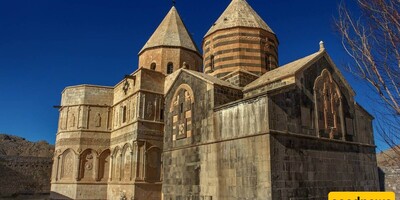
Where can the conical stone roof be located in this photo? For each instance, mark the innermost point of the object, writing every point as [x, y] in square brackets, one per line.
[239, 14]
[171, 32]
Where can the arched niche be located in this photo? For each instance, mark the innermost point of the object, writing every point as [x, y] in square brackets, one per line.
[67, 164]
[87, 165]
[127, 155]
[181, 109]
[104, 165]
[116, 164]
[328, 106]
[153, 66]
[153, 164]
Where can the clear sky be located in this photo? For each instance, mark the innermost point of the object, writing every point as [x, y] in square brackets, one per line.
[46, 45]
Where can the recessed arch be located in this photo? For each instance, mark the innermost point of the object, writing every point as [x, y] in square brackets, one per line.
[189, 92]
[153, 66]
[328, 107]
[67, 164]
[170, 68]
[87, 164]
[126, 162]
[181, 111]
[104, 165]
[153, 164]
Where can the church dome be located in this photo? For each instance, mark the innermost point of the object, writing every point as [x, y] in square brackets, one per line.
[239, 14]
[170, 47]
[171, 32]
[239, 40]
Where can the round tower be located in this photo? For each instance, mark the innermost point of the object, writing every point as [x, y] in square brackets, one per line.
[170, 47]
[239, 40]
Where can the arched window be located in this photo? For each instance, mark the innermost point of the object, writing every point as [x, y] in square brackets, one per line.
[124, 114]
[170, 68]
[212, 62]
[153, 66]
[181, 112]
[268, 61]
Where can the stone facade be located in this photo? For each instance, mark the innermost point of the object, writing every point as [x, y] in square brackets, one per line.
[243, 129]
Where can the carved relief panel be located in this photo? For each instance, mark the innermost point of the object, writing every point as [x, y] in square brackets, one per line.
[67, 166]
[87, 165]
[98, 118]
[151, 106]
[63, 118]
[328, 102]
[127, 164]
[70, 118]
[181, 110]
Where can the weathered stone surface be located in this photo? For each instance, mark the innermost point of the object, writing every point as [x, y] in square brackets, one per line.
[310, 168]
[389, 170]
[168, 131]
[24, 175]
[25, 167]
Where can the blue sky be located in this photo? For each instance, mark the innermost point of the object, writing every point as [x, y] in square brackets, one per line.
[46, 45]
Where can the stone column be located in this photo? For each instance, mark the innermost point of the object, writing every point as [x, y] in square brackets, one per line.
[77, 163]
[87, 120]
[108, 119]
[131, 173]
[139, 160]
[111, 168]
[316, 120]
[135, 161]
[57, 172]
[96, 168]
[143, 105]
[342, 120]
[144, 161]
[120, 166]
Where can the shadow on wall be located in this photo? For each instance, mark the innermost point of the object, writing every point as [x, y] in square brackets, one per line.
[381, 175]
[57, 196]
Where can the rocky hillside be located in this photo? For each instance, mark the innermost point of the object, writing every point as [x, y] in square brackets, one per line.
[25, 167]
[17, 146]
[389, 164]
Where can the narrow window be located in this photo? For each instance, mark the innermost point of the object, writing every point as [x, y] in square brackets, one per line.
[162, 114]
[124, 114]
[212, 62]
[153, 66]
[181, 108]
[268, 62]
[170, 68]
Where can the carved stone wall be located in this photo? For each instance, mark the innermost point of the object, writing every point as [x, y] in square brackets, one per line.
[305, 168]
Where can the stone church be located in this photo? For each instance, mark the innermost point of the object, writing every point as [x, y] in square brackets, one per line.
[228, 123]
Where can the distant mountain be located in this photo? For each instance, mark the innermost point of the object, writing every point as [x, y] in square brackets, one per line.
[17, 146]
[389, 158]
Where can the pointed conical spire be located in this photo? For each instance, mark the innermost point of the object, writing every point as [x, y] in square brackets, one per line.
[239, 14]
[171, 32]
